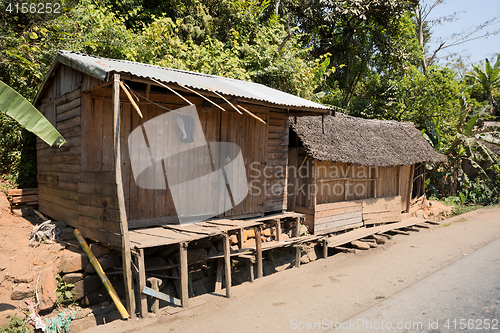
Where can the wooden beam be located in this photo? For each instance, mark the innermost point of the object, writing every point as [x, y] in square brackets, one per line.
[126, 255]
[142, 284]
[227, 264]
[277, 228]
[130, 99]
[218, 275]
[258, 250]
[298, 254]
[325, 248]
[184, 274]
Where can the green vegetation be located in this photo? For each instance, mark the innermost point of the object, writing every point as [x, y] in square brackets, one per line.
[366, 58]
[64, 293]
[15, 325]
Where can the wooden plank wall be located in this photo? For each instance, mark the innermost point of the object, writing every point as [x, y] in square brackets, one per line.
[382, 210]
[276, 162]
[339, 215]
[405, 181]
[156, 207]
[99, 215]
[58, 169]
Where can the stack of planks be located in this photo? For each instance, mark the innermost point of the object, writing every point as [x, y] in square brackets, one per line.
[23, 198]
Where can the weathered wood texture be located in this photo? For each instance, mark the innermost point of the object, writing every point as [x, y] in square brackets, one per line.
[333, 216]
[147, 207]
[382, 210]
[58, 169]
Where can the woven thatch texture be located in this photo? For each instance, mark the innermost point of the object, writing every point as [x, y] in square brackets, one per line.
[366, 142]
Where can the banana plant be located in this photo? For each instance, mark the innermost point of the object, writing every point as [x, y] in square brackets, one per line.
[488, 79]
[21, 110]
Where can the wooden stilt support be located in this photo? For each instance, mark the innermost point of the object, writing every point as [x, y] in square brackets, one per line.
[251, 275]
[258, 250]
[126, 255]
[184, 274]
[277, 229]
[227, 264]
[325, 248]
[240, 238]
[142, 283]
[155, 285]
[298, 254]
[297, 227]
[218, 276]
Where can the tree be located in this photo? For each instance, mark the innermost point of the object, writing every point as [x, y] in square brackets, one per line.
[422, 12]
[488, 79]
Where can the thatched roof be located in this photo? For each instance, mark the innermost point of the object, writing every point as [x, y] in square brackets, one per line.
[365, 142]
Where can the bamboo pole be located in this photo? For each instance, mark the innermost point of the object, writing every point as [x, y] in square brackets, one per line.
[105, 281]
[131, 99]
[172, 90]
[251, 114]
[126, 255]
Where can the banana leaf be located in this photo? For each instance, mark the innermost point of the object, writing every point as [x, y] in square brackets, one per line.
[17, 107]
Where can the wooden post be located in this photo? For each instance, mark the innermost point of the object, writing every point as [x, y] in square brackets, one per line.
[218, 275]
[127, 257]
[142, 283]
[410, 189]
[325, 248]
[315, 176]
[251, 276]
[277, 229]
[184, 274]
[227, 264]
[297, 227]
[155, 285]
[258, 250]
[240, 238]
[298, 253]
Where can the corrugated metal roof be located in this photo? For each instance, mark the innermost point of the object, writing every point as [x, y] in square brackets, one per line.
[102, 68]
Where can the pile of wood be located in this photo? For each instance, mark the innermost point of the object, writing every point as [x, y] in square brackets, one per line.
[22, 198]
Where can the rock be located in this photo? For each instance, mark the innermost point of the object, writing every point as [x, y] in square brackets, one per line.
[47, 285]
[196, 254]
[90, 283]
[199, 288]
[99, 250]
[201, 244]
[311, 254]
[66, 233]
[59, 224]
[304, 259]
[73, 261]
[82, 313]
[284, 237]
[360, 245]
[420, 214]
[73, 277]
[24, 212]
[106, 262]
[46, 256]
[213, 251]
[95, 297]
[249, 243]
[233, 240]
[249, 233]
[380, 239]
[22, 291]
[267, 232]
[24, 278]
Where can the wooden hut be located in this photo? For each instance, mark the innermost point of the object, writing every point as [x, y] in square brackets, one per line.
[96, 103]
[346, 172]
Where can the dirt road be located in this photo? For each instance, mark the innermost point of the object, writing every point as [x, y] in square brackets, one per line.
[336, 288]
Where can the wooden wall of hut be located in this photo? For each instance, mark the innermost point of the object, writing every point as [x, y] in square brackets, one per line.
[261, 145]
[64, 191]
[336, 181]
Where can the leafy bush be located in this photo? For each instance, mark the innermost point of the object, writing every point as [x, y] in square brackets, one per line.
[15, 325]
[64, 293]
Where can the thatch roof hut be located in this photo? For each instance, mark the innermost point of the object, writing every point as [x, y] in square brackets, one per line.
[352, 159]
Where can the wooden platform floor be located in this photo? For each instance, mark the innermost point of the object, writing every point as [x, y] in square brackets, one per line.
[176, 234]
